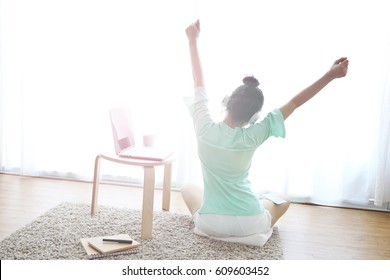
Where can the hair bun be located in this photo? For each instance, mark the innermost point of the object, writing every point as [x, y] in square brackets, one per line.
[251, 81]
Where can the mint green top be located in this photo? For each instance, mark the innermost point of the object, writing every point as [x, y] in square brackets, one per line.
[226, 155]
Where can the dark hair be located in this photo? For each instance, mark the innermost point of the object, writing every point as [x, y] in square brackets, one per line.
[246, 100]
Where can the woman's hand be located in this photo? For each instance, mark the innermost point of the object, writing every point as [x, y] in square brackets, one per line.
[339, 68]
[193, 31]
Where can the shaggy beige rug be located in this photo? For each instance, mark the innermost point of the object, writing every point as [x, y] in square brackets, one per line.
[56, 235]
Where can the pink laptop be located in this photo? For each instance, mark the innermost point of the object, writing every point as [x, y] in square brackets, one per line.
[124, 139]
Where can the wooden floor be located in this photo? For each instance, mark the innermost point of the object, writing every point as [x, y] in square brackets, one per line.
[307, 232]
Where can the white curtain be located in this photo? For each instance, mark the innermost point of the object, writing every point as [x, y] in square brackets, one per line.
[65, 63]
[379, 184]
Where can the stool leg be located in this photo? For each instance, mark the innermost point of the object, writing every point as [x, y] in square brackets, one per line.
[166, 197]
[95, 188]
[147, 204]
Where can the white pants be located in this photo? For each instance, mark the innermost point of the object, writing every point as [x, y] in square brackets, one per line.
[222, 226]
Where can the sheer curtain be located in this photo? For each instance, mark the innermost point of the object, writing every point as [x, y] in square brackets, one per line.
[65, 63]
[379, 187]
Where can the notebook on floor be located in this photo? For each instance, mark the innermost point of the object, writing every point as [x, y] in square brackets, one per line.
[96, 248]
[105, 247]
[124, 139]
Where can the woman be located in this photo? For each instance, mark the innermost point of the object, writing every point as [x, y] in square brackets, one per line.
[226, 208]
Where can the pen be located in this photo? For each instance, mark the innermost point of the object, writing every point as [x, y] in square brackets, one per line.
[118, 240]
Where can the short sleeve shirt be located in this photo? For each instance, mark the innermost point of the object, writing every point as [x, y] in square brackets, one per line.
[226, 155]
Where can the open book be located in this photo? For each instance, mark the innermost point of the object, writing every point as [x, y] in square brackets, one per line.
[95, 247]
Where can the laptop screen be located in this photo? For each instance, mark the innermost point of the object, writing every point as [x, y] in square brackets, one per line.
[122, 129]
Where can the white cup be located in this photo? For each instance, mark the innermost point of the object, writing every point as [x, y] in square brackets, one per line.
[149, 140]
